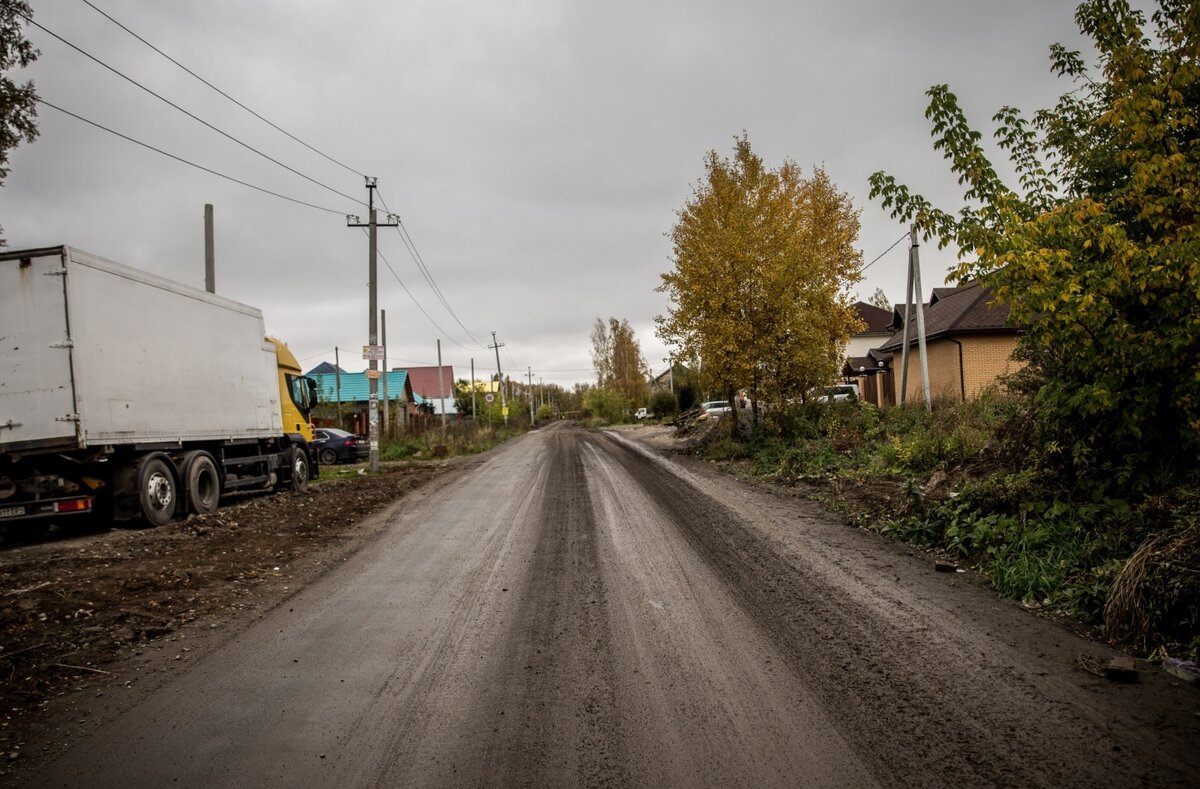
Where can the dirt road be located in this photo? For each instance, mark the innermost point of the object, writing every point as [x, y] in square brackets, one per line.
[578, 611]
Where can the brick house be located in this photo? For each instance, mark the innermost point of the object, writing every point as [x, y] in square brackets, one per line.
[969, 339]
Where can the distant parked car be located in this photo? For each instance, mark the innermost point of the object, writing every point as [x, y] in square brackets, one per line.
[642, 413]
[715, 407]
[844, 393]
[337, 446]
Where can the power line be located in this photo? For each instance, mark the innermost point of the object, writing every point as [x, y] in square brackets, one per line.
[218, 90]
[185, 161]
[194, 117]
[884, 252]
[415, 254]
[413, 298]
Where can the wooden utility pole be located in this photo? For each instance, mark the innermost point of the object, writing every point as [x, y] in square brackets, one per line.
[337, 378]
[387, 423]
[529, 374]
[373, 352]
[210, 254]
[914, 281]
[473, 414]
[500, 377]
[441, 388]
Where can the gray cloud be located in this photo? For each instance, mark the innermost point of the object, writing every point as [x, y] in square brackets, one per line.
[537, 151]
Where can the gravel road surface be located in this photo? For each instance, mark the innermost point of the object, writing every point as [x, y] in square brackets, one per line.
[579, 611]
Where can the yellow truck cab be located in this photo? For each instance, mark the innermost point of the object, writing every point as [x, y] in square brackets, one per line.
[297, 394]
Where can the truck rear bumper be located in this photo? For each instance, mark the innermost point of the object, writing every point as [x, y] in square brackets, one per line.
[74, 505]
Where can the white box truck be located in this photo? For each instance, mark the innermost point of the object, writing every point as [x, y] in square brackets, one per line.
[136, 397]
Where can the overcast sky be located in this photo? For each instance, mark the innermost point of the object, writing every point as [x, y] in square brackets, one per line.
[536, 151]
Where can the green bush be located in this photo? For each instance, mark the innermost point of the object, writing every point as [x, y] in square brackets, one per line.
[663, 404]
[605, 407]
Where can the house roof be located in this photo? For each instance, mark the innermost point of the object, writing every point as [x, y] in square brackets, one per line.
[878, 320]
[968, 309]
[324, 367]
[355, 388]
[875, 361]
[427, 382]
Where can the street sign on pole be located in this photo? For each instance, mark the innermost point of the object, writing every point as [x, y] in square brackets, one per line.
[373, 353]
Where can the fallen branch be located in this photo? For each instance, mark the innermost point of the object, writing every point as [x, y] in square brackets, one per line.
[81, 668]
[27, 589]
[26, 649]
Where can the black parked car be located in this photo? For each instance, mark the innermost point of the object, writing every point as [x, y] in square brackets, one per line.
[337, 446]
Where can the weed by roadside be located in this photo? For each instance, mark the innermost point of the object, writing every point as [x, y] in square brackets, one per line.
[966, 480]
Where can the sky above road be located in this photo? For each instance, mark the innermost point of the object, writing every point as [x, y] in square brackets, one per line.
[536, 152]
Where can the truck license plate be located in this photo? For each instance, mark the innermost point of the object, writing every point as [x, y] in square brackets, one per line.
[11, 512]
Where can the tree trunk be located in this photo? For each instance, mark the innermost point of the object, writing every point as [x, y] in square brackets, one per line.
[731, 395]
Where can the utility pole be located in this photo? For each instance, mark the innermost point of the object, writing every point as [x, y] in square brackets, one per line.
[529, 373]
[914, 281]
[373, 352]
[210, 254]
[387, 422]
[337, 378]
[500, 377]
[473, 414]
[441, 388]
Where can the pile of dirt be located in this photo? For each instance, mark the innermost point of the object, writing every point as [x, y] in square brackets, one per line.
[77, 599]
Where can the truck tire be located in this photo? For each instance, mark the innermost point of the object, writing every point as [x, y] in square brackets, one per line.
[157, 489]
[300, 469]
[328, 457]
[201, 482]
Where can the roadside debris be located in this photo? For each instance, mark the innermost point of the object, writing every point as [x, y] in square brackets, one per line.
[1121, 668]
[1185, 670]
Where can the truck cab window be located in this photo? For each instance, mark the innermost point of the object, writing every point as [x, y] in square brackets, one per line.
[298, 388]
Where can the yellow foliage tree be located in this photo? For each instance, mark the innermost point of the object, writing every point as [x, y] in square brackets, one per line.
[760, 289]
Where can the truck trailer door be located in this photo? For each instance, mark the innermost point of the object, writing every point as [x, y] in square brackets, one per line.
[37, 395]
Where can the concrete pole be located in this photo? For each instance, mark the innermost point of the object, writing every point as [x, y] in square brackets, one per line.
[373, 331]
[529, 374]
[473, 413]
[210, 254]
[908, 298]
[915, 257]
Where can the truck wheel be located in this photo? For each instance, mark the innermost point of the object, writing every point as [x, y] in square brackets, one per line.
[201, 482]
[328, 457]
[301, 471]
[157, 490]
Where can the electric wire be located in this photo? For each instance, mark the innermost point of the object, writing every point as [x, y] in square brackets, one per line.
[413, 298]
[415, 254]
[218, 90]
[187, 162]
[194, 117]
[884, 252]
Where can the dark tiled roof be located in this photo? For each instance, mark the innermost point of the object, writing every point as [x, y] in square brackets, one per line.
[968, 309]
[877, 320]
[324, 367]
[875, 361]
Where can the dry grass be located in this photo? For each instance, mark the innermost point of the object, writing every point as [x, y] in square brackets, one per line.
[1156, 596]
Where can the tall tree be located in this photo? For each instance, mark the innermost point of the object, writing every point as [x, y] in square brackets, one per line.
[759, 291]
[1098, 248]
[18, 103]
[618, 360]
[879, 299]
